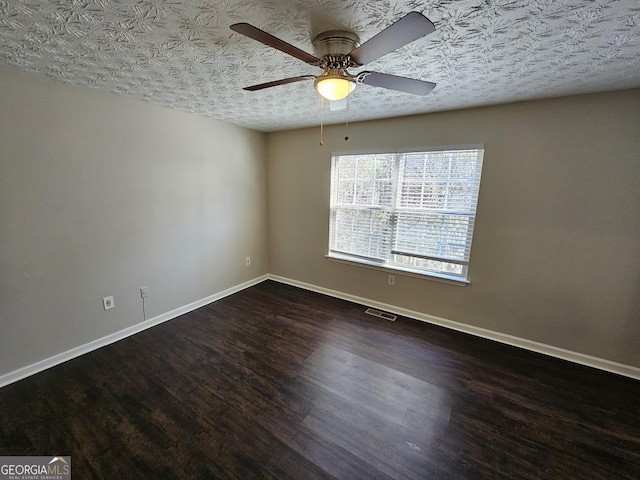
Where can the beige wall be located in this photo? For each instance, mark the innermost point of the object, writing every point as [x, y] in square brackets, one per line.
[556, 252]
[101, 195]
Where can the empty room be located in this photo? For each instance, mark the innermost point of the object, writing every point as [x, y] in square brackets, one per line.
[320, 239]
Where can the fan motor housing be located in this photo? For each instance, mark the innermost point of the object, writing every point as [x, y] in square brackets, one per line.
[334, 43]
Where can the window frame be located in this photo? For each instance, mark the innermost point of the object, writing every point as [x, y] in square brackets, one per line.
[388, 264]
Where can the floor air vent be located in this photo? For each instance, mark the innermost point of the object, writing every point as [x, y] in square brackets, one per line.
[378, 313]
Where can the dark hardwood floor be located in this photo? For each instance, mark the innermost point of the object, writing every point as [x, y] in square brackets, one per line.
[278, 382]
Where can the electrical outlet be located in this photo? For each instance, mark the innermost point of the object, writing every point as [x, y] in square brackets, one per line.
[144, 292]
[107, 302]
[248, 261]
[391, 280]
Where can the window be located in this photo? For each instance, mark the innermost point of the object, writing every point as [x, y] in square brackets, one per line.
[411, 211]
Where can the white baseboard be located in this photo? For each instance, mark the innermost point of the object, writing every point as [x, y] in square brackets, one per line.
[34, 368]
[575, 357]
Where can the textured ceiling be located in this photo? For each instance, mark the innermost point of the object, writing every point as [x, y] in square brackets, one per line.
[183, 55]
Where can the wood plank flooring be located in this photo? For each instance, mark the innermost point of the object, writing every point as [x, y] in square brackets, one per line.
[278, 382]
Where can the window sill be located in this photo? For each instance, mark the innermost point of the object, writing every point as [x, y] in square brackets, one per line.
[435, 277]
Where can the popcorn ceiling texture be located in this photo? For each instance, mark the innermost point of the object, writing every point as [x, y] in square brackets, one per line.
[184, 56]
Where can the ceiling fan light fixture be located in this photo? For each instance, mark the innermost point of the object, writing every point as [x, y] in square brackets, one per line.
[334, 86]
[338, 50]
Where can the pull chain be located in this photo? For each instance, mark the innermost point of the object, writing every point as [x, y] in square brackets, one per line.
[321, 118]
[346, 138]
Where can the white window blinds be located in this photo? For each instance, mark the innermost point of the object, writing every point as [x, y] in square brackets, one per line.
[364, 193]
[413, 210]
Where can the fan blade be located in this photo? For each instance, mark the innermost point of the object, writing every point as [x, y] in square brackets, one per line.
[393, 82]
[284, 81]
[268, 39]
[409, 28]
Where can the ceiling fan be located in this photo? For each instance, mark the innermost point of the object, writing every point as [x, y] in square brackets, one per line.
[337, 50]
